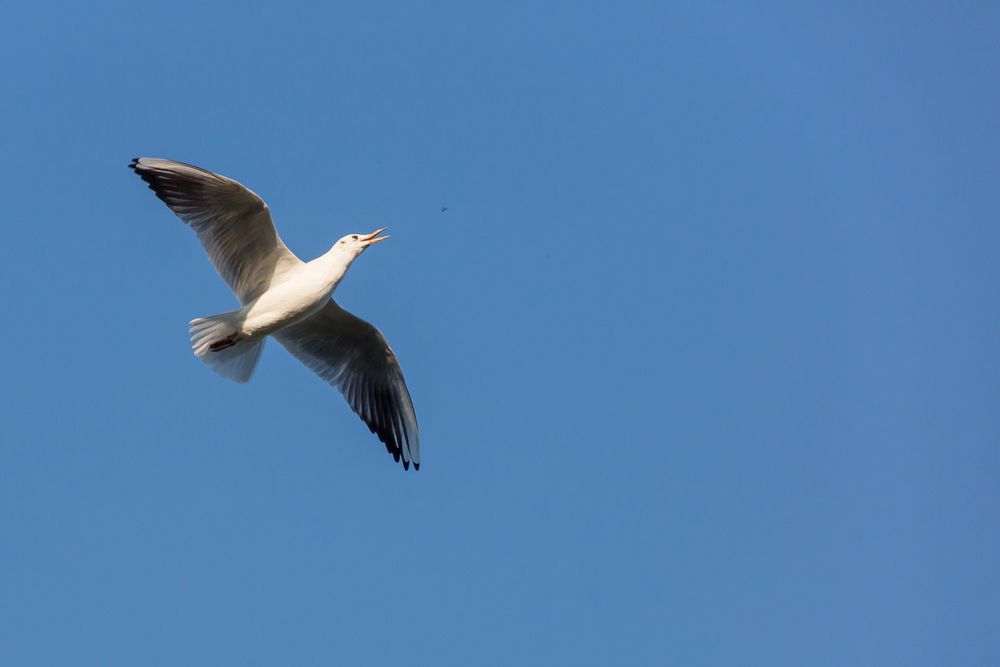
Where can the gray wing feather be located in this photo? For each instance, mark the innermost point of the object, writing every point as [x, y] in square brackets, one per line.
[233, 224]
[354, 356]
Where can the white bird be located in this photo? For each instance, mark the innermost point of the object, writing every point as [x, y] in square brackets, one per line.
[284, 297]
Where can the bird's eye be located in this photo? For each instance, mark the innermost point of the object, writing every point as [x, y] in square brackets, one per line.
[354, 236]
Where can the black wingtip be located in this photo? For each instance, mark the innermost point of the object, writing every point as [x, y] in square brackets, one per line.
[416, 466]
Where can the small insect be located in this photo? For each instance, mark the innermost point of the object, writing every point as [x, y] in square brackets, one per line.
[444, 208]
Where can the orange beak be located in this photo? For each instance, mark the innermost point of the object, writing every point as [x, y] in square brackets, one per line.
[370, 239]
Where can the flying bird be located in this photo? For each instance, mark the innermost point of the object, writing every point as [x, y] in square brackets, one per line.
[285, 298]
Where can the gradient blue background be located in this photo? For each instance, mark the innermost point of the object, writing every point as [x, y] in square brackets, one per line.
[705, 351]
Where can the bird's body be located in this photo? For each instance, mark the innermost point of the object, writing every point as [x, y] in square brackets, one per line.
[288, 299]
[295, 295]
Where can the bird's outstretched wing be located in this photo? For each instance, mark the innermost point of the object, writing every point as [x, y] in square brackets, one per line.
[354, 356]
[232, 223]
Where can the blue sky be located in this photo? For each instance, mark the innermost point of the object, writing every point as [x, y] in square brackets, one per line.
[704, 352]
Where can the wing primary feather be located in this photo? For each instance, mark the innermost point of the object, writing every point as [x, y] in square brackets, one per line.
[352, 355]
[232, 223]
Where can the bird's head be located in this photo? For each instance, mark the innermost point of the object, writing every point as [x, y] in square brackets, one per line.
[355, 244]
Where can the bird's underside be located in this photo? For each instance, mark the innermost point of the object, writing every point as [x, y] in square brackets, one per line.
[234, 226]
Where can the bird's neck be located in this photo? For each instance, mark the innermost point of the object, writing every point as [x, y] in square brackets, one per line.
[333, 266]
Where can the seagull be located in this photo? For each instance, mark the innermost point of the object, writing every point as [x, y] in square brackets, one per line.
[285, 298]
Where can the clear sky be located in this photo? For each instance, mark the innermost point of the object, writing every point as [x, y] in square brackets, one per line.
[704, 352]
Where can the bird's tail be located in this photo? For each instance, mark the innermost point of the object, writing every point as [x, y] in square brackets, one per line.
[218, 342]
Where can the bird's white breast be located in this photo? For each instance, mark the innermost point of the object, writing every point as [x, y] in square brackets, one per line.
[299, 294]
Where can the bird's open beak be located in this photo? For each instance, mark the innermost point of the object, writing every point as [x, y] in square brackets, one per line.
[370, 239]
